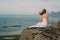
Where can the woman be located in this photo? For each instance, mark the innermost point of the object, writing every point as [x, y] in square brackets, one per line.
[43, 21]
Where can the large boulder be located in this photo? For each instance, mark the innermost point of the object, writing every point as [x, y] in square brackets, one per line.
[39, 34]
[51, 33]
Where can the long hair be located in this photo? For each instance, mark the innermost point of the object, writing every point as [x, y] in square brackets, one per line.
[43, 12]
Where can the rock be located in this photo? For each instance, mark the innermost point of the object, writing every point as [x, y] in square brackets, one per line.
[4, 26]
[11, 26]
[56, 25]
[39, 34]
[51, 33]
[15, 26]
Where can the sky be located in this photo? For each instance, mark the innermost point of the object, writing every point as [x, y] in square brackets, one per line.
[28, 6]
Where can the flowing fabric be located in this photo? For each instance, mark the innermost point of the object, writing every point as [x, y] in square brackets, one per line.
[40, 24]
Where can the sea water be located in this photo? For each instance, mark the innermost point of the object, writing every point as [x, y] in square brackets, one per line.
[23, 20]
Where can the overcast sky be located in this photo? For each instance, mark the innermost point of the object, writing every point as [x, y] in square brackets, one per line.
[28, 6]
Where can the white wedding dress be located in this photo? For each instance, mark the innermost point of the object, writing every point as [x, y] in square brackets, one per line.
[40, 24]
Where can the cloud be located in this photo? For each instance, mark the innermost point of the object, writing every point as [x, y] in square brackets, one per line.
[28, 6]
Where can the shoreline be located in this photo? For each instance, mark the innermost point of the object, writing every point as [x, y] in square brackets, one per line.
[10, 37]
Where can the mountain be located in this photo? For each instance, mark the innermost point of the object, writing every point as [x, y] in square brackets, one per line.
[54, 14]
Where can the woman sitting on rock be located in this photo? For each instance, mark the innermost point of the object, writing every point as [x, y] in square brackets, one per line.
[43, 21]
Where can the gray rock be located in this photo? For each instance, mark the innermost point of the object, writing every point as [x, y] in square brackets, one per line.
[51, 33]
[40, 34]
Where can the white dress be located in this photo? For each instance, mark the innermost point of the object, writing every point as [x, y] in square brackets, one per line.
[40, 24]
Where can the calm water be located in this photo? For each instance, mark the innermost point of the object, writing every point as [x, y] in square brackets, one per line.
[24, 20]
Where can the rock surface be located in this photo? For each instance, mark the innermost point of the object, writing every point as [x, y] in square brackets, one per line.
[51, 33]
[40, 34]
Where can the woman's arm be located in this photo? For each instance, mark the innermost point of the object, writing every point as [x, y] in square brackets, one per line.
[41, 19]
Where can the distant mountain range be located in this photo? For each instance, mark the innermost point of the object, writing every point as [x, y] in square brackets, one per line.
[54, 14]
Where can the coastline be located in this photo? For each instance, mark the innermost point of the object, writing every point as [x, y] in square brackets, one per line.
[10, 37]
